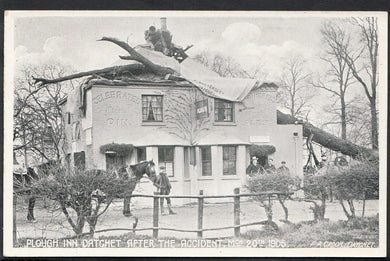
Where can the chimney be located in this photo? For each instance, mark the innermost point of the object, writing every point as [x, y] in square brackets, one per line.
[163, 21]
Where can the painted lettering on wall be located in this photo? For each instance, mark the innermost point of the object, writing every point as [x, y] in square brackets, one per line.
[115, 122]
[120, 95]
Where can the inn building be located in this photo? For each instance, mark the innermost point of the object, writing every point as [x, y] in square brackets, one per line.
[203, 141]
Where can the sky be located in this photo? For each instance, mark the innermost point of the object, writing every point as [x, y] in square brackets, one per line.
[250, 40]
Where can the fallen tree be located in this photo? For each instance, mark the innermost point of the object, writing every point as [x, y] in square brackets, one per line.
[328, 140]
[319, 136]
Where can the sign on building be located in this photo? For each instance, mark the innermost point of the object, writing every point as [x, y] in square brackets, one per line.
[202, 109]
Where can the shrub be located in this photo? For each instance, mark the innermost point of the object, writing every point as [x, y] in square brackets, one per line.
[122, 150]
[274, 181]
[81, 193]
[355, 183]
[316, 188]
[261, 150]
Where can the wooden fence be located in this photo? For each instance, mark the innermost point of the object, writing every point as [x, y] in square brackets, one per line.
[200, 198]
[236, 211]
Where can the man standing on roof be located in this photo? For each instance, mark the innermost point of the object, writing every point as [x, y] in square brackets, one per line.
[164, 186]
[153, 38]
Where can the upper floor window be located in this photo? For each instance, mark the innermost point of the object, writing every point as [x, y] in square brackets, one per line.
[152, 108]
[223, 110]
[206, 161]
[229, 160]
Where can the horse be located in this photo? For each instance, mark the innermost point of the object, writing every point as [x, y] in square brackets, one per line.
[21, 185]
[22, 182]
[135, 173]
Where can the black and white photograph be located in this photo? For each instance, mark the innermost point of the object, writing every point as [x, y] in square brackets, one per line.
[195, 133]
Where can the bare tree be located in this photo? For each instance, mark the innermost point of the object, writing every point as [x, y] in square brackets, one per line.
[339, 77]
[38, 126]
[294, 93]
[363, 63]
[358, 111]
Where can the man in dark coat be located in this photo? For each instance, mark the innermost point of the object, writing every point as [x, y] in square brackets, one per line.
[153, 38]
[269, 167]
[164, 186]
[252, 169]
[283, 169]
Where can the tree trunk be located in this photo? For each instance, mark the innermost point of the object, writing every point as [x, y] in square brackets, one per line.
[343, 118]
[328, 140]
[281, 201]
[134, 55]
[344, 209]
[374, 125]
[364, 203]
[351, 207]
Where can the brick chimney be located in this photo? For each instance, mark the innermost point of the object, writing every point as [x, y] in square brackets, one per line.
[163, 22]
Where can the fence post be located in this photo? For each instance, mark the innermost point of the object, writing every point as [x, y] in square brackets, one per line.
[14, 220]
[200, 214]
[237, 212]
[155, 215]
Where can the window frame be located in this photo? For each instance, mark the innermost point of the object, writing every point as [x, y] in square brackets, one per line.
[216, 110]
[118, 161]
[164, 163]
[139, 149]
[79, 160]
[229, 160]
[145, 116]
[203, 161]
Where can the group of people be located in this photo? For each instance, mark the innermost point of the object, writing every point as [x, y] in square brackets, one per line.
[161, 41]
[255, 168]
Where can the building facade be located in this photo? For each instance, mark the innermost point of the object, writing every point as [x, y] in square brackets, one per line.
[202, 141]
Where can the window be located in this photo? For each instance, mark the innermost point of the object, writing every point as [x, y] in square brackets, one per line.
[206, 161]
[186, 162]
[165, 158]
[69, 120]
[114, 162]
[67, 160]
[141, 154]
[152, 108]
[223, 110]
[229, 160]
[79, 160]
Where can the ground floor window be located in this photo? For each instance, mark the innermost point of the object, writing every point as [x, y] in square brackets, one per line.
[67, 160]
[229, 160]
[165, 158]
[79, 160]
[114, 162]
[206, 160]
[186, 162]
[141, 154]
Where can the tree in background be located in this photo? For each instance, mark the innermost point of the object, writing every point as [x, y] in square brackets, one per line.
[339, 76]
[293, 92]
[38, 122]
[362, 61]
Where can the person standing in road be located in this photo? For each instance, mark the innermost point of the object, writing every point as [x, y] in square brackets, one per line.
[164, 187]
